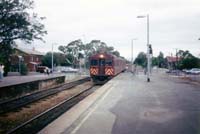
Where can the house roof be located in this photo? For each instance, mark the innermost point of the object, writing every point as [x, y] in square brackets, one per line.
[30, 51]
[173, 59]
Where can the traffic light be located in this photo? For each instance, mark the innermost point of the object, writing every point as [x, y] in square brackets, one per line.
[150, 49]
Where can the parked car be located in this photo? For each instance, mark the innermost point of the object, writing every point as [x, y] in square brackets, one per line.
[173, 71]
[187, 71]
[41, 69]
[69, 70]
[194, 71]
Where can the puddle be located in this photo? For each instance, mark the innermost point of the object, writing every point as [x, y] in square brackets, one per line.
[160, 115]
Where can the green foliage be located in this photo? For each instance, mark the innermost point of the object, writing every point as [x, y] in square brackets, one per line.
[141, 59]
[159, 61]
[76, 50]
[58, 59]
[155, 61]
[17, 23]
[162, 62]
[187, 61]
[24, 69]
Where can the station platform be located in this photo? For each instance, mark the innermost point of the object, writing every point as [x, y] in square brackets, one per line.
[128, 104]
[14, 80]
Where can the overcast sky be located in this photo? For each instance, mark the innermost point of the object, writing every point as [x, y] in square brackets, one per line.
[173, 24]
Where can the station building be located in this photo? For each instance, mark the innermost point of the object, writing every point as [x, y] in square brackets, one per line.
[30, 57]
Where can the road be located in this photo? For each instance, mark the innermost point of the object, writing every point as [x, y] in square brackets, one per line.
[166, 105]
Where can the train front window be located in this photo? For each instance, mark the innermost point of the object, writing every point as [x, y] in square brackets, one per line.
[94, 62]
[108, 63]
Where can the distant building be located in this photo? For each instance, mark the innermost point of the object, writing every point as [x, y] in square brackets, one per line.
[30, 57]
[172, 62]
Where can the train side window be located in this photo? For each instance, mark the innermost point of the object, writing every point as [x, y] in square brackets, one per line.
[94, 62]
[108, 63]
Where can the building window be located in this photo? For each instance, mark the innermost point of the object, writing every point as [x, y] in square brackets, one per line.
[37, 59]
[31, 58]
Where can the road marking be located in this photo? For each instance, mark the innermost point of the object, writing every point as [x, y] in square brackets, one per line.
[91, 111]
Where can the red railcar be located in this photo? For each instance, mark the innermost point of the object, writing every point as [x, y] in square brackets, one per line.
[104, 66]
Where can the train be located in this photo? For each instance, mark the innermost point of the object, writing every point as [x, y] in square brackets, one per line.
[104, 66]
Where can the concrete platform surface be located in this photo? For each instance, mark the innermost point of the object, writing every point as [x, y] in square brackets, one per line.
[129, 105]
[13, 80]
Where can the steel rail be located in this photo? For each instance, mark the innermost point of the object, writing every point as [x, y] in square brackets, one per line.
[27, 99]
[38, 122]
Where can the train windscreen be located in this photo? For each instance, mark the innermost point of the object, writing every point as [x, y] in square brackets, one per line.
[108, 63]
[94, 63]
[103, 62]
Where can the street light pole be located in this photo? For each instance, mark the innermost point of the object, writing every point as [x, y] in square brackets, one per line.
[132, 55]
[84, 42]
[52, 58]
[148, 54]
[148, 49]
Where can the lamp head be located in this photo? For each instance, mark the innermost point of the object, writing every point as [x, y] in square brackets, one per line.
[141, 16]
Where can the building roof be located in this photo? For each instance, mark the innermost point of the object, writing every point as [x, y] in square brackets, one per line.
[173, 59]
[29, 51]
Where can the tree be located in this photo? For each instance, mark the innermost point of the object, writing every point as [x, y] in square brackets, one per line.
[73, 50]
[58, 58]
[141, 59]
[76, 49]
[189, 63]
[161, 60]
[154, 61]
[17, 23]
[187, 60]
[184, 54]
[116, 53]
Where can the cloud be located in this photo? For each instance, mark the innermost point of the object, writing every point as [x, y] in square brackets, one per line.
[173, 24]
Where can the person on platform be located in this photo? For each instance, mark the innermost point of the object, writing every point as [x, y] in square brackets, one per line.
[47, 70]
[1, 71]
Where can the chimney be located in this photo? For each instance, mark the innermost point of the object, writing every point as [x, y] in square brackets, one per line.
[33, 48]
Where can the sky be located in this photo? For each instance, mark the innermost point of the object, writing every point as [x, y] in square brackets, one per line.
[174, 24]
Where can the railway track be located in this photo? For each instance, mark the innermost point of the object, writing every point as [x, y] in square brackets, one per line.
[27, 99]
[38, 122]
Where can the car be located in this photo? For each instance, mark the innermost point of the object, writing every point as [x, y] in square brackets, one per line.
[194, 71]
[187, 71]
[173, 71]
[69, 70]
[41, 69]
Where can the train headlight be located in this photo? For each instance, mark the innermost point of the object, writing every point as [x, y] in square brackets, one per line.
[101, 56]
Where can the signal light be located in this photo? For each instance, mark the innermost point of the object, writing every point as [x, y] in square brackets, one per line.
[150, 49]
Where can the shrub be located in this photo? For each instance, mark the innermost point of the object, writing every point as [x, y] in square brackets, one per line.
[24, 69]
